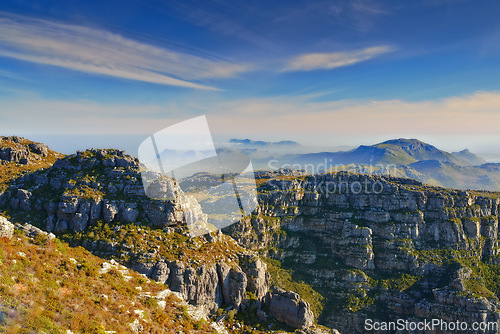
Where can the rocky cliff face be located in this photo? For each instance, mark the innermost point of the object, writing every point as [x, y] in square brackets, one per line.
[20, 150]
[380, 247]
[84, 188]
[96, 199]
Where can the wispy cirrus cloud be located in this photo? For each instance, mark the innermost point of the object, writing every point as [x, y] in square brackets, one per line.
[102, 52]
[328, 61]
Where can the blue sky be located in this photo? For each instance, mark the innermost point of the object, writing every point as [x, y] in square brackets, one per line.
[320, 72]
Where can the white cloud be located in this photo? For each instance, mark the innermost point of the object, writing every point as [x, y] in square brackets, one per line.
[328, 61]
[101, 52]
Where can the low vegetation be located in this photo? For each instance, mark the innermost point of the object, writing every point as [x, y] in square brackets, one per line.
[152, 244]
[47, 286]
[283, 278]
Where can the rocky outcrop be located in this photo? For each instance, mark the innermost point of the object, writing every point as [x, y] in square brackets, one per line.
[6, 228]
[451, 306]
[257, 275]
[20, 150]
[287, 307]
[212, 285]
[33, 231]
[368, 241]
[113, 194]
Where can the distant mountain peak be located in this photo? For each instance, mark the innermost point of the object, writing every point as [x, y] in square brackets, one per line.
[408, 143]
[261, 143]
[468, 156]
[403, 140]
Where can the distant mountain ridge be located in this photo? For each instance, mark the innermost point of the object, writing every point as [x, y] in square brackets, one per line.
[413, 149]
[396, 151]
[466, 155]
[410, 158]
[262, 143]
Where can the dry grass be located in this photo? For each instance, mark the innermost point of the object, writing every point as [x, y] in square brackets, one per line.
[169, 246]
[45, 289]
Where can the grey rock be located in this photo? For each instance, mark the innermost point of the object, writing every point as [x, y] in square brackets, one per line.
[95, 209]
[257, 275]
[110, 162]
[79, 222]
[223, 270]
[160, 214]
[130, 214]
[144, 268]
[40, 149]
[286, 306]
[160, 272]
[33, 231]
[61, 226]
[176, 279]
[69, 205]
[109, 212]
[125, 162]
[6, 228]
[50, 223]
[14, 154]
[237, 288]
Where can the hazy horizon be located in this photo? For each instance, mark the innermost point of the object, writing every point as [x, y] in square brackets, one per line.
[69, 144]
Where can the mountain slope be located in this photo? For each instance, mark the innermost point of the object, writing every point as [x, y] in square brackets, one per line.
[48, 287]
[396, 151]
[404, 150]
[96, 199]
[486, 176]
[466, 155]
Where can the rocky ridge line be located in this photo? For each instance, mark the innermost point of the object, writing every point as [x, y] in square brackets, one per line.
[94, 187]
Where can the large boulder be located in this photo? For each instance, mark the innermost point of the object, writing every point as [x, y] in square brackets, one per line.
[38, 148]
[287, 307]
[109, 212]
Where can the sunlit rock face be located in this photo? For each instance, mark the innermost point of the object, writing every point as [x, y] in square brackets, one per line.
[367, 241]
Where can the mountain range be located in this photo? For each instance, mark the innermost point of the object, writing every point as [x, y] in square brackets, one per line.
[83, 241]
[409, 158]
